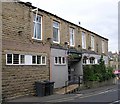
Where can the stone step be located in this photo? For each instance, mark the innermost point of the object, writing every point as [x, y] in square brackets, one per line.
[69, 88]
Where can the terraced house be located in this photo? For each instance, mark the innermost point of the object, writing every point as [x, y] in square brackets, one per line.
[38, 45]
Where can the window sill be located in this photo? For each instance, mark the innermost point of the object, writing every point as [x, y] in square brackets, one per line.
[72, 45]
[56, 42]
[60, 64]
[37, 40]
[25, 65]
[92, 50]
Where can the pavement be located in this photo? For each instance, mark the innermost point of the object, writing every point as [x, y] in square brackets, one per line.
[56, 97]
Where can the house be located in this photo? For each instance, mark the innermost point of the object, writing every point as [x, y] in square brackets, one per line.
[114, 60]
[38, 45]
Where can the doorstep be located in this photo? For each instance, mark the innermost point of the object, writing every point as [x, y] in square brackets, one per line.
[69, 89]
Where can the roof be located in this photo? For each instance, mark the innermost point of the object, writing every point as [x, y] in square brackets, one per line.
[74, 51]
[30, 5]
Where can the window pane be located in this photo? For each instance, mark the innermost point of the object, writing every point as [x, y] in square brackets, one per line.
[71, 36]
[34, 17]
[43, 59]
[56, 24]
[38, 29]
[35, 31]
[56, 60]
[63, 60]
[39, 19]
[38, 59]
[92, 42]
[9, 58]
[103, 47]
[55, 31]
[55, 34]
[83, 40]
[34, 59]
[15, 58]
[22, 59]
[59, 60]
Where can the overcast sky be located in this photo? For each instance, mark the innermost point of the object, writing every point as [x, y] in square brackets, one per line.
[99, 16]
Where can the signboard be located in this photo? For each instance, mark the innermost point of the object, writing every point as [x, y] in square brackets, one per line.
[116, 72]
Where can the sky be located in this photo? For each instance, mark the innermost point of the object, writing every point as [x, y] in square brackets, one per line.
[99, 16]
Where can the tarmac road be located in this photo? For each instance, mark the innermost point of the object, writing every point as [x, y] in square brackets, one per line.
[102, 95]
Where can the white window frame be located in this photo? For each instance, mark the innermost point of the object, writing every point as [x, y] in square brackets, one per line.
[58, 31]
[35, 60]
[103, 46]
[20, 59]
[45, 60]
[25, 60]
[72, 37]
[36, 22]
[64, 60]
[55, 60]
[40, 59]
[91, 61]
[92, 43]
[13, 59]
[58, 60]
[83, 40]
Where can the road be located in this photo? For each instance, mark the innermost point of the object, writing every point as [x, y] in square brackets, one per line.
[107, 95]
[102, 95]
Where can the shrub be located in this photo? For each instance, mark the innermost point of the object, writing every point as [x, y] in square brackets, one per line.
[97, 72]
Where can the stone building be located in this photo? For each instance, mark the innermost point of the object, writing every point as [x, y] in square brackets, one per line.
[38, 45]
[114, 60]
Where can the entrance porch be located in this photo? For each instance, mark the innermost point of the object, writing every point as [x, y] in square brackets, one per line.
[75, 71]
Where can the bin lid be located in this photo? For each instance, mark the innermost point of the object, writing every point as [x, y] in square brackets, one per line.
[46, 81]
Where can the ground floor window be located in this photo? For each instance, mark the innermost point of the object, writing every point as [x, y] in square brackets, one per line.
[15, 59]
[85, 60]
[59, 60]
[92, 60]
[20, 59]
[39, 60]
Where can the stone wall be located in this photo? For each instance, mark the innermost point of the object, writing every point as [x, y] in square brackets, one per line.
[19, 80]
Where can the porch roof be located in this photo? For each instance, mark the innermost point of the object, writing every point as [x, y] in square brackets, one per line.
[72, 50]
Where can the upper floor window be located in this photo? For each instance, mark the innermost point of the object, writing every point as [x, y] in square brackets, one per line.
[103, 47]
[97, 47]
[37, 27]
[56, 34]
[83, 40]
[72, 38]
[92, 42]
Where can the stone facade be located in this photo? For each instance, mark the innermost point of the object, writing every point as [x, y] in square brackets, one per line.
[114, 60]
[17, 33]
[18, 80]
